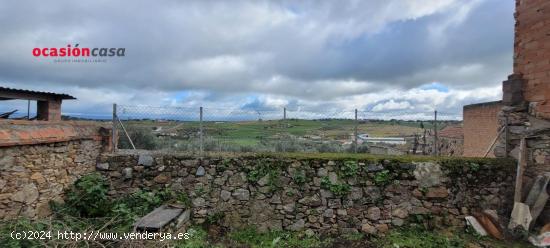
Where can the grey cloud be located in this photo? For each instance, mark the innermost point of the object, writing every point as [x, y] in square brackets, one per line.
[308, 51]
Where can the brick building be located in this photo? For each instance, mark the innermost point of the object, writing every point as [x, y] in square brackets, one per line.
[480, 127]
[526, 94]
[451, 141]
[532, 54]
[48, 104]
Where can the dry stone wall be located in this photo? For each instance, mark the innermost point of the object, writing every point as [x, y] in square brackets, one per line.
[325, 195]
[31, 176]
[39, 160]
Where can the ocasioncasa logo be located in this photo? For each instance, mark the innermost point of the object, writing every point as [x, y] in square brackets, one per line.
[78, 54]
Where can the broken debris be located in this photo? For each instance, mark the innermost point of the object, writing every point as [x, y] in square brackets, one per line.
[472, 221]
[159, 218]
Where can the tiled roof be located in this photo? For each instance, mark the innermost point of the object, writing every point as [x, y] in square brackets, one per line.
[32, 92]
[454, 132]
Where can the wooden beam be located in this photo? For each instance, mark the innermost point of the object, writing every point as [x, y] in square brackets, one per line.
[520, 170]
[27, 96]
[493, 143]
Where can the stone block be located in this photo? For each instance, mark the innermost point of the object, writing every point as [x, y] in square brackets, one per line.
[145, 160]
[102, 166]
[28, 194]
[241, 194]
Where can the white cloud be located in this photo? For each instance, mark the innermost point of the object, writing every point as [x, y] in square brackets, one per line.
[328, 57]
[391, 105]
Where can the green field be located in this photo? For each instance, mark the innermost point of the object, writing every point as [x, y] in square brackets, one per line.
[301, 135]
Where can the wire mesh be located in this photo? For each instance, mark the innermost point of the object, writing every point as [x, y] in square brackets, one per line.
[246, 130]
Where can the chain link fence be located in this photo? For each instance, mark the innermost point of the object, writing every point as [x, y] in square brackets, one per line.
[201, 130]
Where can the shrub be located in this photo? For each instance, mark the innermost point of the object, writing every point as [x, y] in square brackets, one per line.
[349, 168]
[88, 197]
[142, 139]
[382, 178]
[214, 218]
[300, 177]
[336, 189]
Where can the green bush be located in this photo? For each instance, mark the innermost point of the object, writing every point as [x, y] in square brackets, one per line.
[88, 197]
[350, 168]
[142, 139]
[300, 177]
[142, 202]
[382, 178]
[336, 189]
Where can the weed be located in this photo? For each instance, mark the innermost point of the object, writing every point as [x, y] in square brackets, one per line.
[249, 237]
[88, 197]
[265, 168]
[183, 199]
[414, 238]
[223, 166]
[350, 168]
[423, 190]
[353, 236]
[336, 189]
[198, 238]
[200, 191]
[474, 167]
[214, 218]
[382, 178]
[300, 177]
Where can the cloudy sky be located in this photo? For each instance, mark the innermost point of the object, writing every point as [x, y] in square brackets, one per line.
[392, 57]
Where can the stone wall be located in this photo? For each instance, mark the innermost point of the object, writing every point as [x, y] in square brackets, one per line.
[327, 195]
[38, 160]
[480, 127]
[526, 93]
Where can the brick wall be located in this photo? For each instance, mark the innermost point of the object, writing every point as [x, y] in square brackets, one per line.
[480, 127]
[532, 52]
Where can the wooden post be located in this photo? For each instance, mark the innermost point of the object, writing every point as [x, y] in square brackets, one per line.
[520, 169]
[28, 109]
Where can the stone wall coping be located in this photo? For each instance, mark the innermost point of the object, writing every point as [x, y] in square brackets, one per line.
[23, 132]
[494, 162]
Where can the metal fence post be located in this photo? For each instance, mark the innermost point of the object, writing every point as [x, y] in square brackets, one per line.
[435, 152]
[201, 137]
[114, 132]
[355, 132]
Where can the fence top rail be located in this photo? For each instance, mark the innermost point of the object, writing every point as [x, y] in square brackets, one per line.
[240, 113]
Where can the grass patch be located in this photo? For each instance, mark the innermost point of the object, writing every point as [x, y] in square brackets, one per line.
[198, 239]
[422, 238]
[249, 237]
